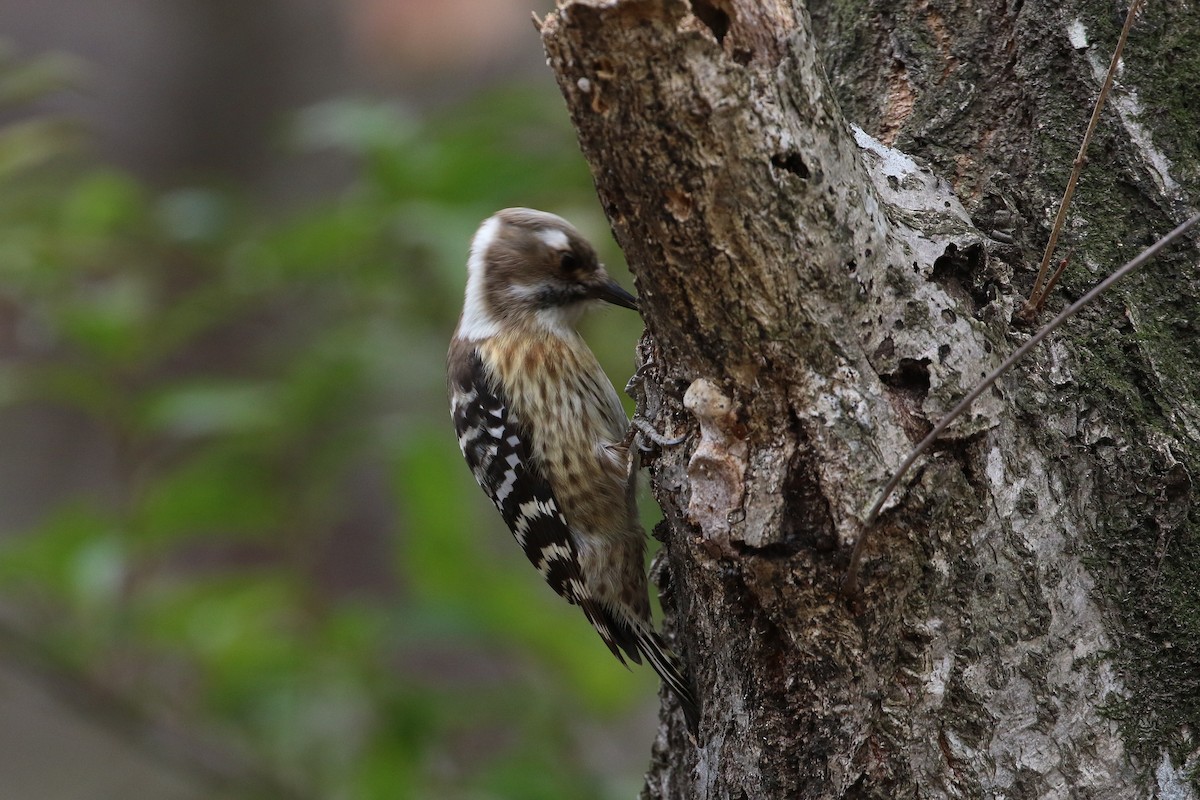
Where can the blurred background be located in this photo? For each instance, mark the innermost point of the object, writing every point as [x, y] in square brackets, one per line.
[240, 555]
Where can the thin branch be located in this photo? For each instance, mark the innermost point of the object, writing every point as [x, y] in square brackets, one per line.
[1058, 273]
[850, 581]
[1037, 295]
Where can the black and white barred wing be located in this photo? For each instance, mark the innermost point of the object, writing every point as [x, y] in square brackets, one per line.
[496, 447]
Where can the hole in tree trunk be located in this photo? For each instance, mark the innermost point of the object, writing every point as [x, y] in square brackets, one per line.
[909, 386]
[793, 163]
[712, 15]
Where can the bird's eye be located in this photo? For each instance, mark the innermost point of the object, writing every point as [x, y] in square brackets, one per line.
[570, 262]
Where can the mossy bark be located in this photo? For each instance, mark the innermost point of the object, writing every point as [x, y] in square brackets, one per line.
[815, 300]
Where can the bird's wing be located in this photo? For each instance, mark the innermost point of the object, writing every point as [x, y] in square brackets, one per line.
[497, 448]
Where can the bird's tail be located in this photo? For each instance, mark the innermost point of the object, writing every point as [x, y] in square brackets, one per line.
[672, 673]
[625, 632]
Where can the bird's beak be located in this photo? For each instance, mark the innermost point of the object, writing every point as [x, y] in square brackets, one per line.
[612, 292]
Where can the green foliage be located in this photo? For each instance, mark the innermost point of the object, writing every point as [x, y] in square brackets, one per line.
[250, 374]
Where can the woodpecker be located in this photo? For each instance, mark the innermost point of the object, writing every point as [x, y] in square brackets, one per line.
[543, 431]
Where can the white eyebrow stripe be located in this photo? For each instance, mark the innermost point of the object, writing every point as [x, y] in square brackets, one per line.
[554, 238]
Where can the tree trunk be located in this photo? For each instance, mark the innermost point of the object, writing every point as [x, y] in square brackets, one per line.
[1029, 618]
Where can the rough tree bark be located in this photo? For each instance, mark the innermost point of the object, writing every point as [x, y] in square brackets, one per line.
[815, 300]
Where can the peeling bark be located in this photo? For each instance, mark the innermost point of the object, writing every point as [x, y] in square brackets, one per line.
[814, 301]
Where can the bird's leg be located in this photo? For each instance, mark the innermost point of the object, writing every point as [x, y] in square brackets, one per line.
[640, 427]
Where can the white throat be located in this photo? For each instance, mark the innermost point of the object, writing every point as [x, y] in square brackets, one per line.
[558, 321]
[561, 321]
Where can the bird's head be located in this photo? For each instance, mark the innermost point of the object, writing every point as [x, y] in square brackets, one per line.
[530, 268]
